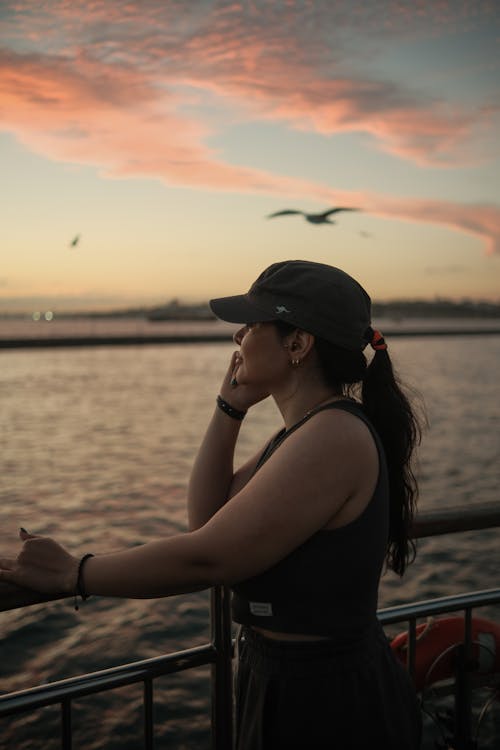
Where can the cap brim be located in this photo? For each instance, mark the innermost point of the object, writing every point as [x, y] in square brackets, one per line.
[238, 309]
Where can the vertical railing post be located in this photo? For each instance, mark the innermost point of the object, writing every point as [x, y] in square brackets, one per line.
[222, 672]
[66, 731]
[148, 714]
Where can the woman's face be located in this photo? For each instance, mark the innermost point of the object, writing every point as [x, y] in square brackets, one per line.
[262, 354]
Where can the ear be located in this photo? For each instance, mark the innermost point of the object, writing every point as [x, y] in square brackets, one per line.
[299, 343]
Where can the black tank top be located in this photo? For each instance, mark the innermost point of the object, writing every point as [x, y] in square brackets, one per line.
[329, 585]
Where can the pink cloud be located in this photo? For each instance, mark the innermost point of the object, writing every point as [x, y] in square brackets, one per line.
[479, 220]
[281, 62]
[109, 95]
[427, 135]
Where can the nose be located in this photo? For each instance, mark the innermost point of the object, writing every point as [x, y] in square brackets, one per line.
[238, 336]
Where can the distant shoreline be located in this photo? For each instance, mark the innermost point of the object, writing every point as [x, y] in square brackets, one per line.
[208, 338]
[177, 311]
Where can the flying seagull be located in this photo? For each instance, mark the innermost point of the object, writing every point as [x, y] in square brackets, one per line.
[74, 242]
[321, 218]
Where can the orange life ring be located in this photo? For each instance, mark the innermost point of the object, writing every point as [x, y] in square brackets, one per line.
[436, 647]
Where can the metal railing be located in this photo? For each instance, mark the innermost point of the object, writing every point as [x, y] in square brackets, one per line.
[218, 653]
[464, 662]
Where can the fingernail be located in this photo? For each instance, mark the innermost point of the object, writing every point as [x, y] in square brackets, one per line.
[23, 529]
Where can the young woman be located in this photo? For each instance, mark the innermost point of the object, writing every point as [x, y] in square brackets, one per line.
[301, 532]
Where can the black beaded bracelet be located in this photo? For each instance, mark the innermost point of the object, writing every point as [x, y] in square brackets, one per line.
[230, 410]
[79, 587]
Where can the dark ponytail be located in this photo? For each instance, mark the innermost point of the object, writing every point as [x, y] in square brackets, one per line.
[391, 413]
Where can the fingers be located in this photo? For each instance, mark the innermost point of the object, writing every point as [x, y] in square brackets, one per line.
[230, 377]
[235, 357]
[233, 382]
[40, 551]
[7, 563]
[8, 572]
[23, 534]
[235, 363]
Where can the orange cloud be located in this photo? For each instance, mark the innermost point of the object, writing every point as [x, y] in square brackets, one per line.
[111, 95]
[270, 85]
[281, 62]
[479, 220]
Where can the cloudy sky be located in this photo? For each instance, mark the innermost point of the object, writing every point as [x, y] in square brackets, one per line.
[163, 132]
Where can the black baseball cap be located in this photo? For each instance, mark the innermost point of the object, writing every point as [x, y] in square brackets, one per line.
[318, 298]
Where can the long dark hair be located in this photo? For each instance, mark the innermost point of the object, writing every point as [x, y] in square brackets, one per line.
[388, 408]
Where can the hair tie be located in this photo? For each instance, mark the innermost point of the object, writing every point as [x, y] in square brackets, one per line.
[378, 342]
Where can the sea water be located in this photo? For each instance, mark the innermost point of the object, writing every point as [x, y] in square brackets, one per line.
[96, 449]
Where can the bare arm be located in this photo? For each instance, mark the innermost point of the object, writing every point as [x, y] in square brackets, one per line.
[307, 481]
[213, 480]
[212, 472]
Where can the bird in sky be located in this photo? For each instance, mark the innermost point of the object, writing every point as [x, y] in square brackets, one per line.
[74, 242]
[320, 218]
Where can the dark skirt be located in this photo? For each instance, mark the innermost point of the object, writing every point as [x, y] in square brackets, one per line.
[317, 696]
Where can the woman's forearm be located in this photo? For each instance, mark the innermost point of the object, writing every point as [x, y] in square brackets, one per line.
[176, 565]
[157, 569]
[213, 470]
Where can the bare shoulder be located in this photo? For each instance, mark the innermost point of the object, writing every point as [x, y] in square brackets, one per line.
[321, 475]
[326, 452]
[336, 451]
[337, 428]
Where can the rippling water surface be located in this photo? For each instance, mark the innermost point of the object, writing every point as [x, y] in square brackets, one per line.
[96, 447]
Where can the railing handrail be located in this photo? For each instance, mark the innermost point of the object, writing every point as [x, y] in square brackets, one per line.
[105, 679]
[438, 606]
[456, 518]
[218, 653]
[429, 523]
[155, 666]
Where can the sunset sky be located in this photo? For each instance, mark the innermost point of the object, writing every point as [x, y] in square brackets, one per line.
[163, 133]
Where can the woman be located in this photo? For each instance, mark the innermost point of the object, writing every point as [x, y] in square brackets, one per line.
[301, 532]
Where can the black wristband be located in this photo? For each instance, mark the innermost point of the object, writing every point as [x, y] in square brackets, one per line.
[79, 587]
[230, 410]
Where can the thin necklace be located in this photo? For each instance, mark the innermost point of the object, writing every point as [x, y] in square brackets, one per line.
[280, 437]
[316, 408]
[329, 400]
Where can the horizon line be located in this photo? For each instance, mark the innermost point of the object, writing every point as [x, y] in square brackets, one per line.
[139, 308]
